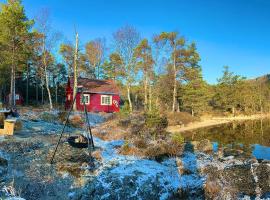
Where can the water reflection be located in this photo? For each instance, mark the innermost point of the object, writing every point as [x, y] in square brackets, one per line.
[249, 138]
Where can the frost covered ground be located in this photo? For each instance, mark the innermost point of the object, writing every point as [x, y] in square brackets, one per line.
[194, 175]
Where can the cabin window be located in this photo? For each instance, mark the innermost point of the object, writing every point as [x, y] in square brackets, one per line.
[86, 98]
[106, 100]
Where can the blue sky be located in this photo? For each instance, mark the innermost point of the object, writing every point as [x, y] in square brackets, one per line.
[228, 32]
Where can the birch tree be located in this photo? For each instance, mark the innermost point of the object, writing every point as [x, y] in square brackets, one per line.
[95, 52]
[125, 41]
[49, 41]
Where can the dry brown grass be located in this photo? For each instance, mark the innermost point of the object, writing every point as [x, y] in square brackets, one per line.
[140, 143]
[18, 125]
[62, 116]
[180, 118]
[76, 121]
[212, 189]
[97, 155]
[110, 130]
[130, 150]
[162, 149]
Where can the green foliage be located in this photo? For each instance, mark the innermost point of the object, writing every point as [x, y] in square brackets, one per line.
[14, 32]
[134, 63]
[196, 96]
[178, 138]
[227, 91]
[154, 120]
[15, 39]
[124, 110]
[125, 146]
[145, 62]
[113, 68]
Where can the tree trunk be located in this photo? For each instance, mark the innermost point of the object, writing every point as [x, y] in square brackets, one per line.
[129, 99]
[150, 97]
[46, 74]
[12, 101]
[56, 93]
[11, 96]
[42, 93]
[48, 88]
[14, 88]
[175, 83]
[136, 101]
[177, 105]
[157, 102]
[75, 83]
[98, 72]
[36, 91]
[1, 97]
[261, 107]
[27, 84]
[145, 94]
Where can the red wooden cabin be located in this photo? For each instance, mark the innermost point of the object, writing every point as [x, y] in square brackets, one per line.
[18, 98]
[100, 95]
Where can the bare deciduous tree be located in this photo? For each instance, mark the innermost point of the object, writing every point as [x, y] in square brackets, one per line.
[49, 41]
[95, 51]
[125, 40]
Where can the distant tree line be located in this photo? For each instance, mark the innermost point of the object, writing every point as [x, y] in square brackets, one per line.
[158, 74]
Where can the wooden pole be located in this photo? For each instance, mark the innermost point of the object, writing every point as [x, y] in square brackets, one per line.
[75, 83]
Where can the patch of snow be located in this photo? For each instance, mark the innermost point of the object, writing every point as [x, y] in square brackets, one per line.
[42, 127]
[167, 172]
[71, 194]
[95, 119]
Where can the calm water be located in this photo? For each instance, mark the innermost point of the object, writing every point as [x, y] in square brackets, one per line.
[249, 138]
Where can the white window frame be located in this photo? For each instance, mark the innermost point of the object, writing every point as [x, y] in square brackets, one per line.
[85, 95]
[105, 103]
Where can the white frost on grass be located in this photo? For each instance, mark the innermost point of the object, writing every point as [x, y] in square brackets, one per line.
[145, 170]
[167, 172]
[95, 119]
[42, 127]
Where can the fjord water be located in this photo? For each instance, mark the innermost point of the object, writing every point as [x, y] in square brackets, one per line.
[248, 138]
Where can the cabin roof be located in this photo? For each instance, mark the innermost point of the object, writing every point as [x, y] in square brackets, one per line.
[96, 86]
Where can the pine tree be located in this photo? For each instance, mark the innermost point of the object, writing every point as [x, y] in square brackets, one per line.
[177, 59]
[143, 55]
[228, 89]
[14, 37]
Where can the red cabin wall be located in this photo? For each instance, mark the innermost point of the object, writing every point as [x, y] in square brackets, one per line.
[18, 101]
[69, 96]
[95, 104]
